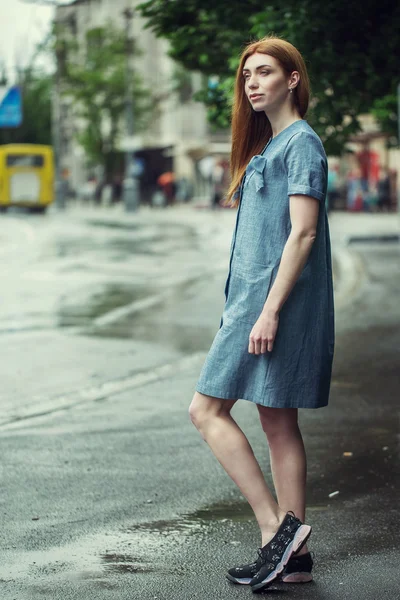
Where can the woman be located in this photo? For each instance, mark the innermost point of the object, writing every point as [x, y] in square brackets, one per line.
[275, 343]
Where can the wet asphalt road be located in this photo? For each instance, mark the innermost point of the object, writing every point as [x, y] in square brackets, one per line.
[107, 490]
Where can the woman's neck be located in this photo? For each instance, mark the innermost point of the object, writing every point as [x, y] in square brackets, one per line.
[281, 120]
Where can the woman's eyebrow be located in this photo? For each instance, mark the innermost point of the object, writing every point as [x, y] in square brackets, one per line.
[259, 67]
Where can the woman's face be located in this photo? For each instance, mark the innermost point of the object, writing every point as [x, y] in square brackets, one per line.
[265, 82]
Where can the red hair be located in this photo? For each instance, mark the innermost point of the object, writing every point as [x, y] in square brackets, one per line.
[251, 130]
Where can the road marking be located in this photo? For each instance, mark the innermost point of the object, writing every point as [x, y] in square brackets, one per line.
[104, 390]
[129, 309]
[138, 305]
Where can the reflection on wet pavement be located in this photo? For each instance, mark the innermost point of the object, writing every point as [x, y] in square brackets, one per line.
[124, 563]
[199, 520]
[153, 240]
[120, 225]
[184, 338]
[81, 308]
[151, 323]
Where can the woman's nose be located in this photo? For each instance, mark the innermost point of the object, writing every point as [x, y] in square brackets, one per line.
[252, 83]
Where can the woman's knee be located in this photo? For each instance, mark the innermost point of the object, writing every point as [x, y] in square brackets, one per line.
[278, 423]
[204, 408]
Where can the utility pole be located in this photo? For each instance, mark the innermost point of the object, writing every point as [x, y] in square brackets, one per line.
[398, 145]
[57, 128]
[56, 113]
[130, 184]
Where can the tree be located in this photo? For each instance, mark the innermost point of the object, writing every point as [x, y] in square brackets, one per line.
[93, 79]
[36, 105]
[350, 47]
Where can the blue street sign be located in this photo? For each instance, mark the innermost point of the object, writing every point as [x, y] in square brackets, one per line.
[10, 107]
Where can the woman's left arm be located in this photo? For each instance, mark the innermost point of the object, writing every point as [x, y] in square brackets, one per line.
[304, 217]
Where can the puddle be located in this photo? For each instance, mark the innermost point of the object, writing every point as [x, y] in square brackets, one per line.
[146, 240]
[198, 521]
[124, 563]
[224, 511]
[113, 249]
[375, 239]
[90, 558]
[140, 549]
[182, 338]
[114, 225]
[178, 330]
[88, 304]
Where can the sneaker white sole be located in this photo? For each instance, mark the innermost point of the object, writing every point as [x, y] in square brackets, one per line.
[300, 538]
[241, 581]
[299, 577]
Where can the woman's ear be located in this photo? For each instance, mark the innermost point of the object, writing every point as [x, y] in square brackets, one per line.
[294, 79]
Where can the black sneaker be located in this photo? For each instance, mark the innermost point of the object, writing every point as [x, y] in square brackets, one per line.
[245, 573]
[290, 537]
[298, 569]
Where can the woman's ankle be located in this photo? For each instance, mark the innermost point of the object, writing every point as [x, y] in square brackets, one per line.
[269, 528]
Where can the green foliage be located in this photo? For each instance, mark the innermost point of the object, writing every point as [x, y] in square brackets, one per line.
[182, 84]
[385, 111]
[36, 102]
[94, 77]
[351, 49]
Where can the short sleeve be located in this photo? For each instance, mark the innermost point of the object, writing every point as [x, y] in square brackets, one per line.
[306, 166]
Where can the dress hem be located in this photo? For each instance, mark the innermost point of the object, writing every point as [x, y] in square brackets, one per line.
[223, 396]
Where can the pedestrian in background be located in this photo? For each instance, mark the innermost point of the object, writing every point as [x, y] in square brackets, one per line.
[117, 189]
[355, 190]
[332, 190]
[383, 190]
[275, 342]
[217, 181]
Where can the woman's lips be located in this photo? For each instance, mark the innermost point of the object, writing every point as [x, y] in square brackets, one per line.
[255, 97]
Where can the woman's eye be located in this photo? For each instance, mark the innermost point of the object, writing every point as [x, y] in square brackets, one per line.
[264, 72]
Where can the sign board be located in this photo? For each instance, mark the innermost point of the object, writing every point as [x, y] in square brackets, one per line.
[10, 106]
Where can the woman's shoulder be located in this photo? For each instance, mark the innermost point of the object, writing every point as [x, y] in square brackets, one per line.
[305, 136]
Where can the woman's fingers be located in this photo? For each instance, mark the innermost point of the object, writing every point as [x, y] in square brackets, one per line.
[252, 348]
[254, 345]
[262, 336]
[258, 345]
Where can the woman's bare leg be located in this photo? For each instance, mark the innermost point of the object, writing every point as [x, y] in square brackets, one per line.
[212, 418]
[288, 458]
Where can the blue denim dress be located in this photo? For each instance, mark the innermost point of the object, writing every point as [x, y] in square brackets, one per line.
[297, 373]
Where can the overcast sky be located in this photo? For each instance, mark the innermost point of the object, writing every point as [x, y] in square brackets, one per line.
[22, 25]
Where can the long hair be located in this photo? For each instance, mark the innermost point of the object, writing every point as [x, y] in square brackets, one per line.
[251, 130]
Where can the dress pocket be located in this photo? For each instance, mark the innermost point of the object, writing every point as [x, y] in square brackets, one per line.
[257, 167]
[248, 290]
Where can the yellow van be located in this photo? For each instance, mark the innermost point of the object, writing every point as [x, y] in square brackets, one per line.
[26, 176]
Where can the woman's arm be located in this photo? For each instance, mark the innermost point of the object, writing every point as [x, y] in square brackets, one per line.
[304, 217]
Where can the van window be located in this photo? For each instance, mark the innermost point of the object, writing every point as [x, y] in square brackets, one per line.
[25, 160]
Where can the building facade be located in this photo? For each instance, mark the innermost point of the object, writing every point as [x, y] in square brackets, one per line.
[178, 136]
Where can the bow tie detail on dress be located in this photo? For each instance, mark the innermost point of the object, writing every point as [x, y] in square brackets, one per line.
[258, 163]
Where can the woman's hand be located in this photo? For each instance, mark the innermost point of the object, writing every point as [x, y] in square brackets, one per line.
[262, 336]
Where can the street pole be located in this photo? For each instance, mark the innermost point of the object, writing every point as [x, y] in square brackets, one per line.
[56, 117]
[398, 145]
[57, 132]
[130, 184]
